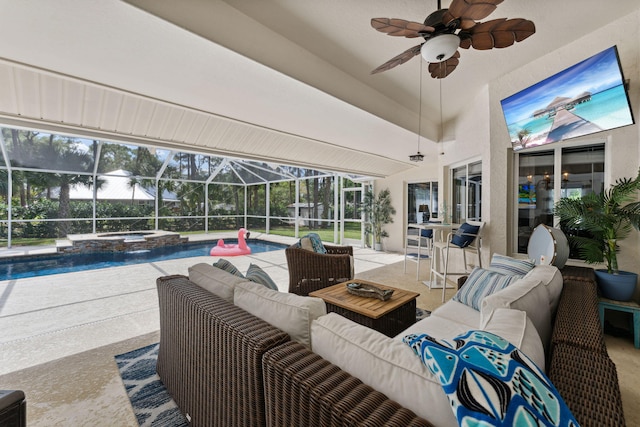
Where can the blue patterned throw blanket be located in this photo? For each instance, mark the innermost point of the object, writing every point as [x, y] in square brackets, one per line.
[489, 382]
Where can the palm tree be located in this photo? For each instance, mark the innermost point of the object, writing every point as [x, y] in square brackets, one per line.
[67, 158]
[524, 135]
[607, 217]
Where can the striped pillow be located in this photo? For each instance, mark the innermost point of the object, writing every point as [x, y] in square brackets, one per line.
[511, 266]
[258, 275]
[225, 265]
[481, 283]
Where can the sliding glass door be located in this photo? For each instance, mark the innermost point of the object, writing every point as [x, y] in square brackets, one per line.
[576, 171]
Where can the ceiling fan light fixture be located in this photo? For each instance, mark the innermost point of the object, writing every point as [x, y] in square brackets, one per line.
[440, 48]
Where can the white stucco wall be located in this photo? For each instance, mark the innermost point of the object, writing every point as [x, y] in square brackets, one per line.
[481, 131]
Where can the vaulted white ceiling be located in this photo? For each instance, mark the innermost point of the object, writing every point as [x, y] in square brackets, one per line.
[279, 80]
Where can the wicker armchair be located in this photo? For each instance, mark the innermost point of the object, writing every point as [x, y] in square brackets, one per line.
[310, 271]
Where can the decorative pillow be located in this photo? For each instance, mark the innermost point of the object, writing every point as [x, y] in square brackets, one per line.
[305, 243]
[481, 283]
[215, 280]
[488, 381]
[312, 241]
[258, 275]
[465, 235]
[511, 266]
[225, 265]
[428, 233]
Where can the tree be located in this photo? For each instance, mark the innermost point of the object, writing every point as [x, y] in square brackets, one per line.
[379, 211]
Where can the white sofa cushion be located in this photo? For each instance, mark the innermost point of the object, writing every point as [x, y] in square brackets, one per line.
[215, 280]
[515, 327]
[290, 312]
[386, 364]
[437, 327]
[552, 278]
[528, 295]
[457, 312]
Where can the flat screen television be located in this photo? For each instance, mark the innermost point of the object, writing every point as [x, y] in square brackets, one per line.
[586, 98]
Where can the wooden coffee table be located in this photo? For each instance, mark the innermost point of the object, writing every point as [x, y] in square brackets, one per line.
[388, 317]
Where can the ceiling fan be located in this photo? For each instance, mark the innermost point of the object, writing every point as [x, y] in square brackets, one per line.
[447, 29]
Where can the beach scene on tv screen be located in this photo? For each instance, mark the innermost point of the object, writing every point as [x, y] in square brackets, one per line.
[586, 98]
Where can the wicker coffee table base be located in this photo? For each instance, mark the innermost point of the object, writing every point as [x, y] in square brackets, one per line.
[391, 324]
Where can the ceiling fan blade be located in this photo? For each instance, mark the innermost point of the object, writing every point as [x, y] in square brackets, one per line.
[469, 11]
[398, 59]
[440, 70]
[400, 27]
[499, 33]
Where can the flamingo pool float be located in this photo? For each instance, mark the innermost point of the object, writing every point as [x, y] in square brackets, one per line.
[222, 249]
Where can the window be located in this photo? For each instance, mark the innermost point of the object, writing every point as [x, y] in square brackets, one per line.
[467, 193]
[581, 170]
[422, 202]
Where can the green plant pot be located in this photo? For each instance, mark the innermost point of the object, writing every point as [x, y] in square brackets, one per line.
[619, 287]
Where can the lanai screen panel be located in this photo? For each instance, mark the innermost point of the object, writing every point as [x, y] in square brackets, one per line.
[45, 151]
[191, 166]
[136, 160]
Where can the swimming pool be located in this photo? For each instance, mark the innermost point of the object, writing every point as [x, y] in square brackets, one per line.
[23, 267]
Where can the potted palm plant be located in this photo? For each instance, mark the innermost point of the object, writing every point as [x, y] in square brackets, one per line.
[379, 211]
[607, 218]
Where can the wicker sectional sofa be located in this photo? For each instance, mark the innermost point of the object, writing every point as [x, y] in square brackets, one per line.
[225, 366]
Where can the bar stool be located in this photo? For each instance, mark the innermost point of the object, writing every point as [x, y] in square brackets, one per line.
[418, 241]
[468, 238]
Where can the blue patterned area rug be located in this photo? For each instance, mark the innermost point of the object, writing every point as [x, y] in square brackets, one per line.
[150, 400]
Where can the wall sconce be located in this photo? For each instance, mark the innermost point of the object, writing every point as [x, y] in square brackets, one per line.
[529, 179]
[546, 181]
[565, 177]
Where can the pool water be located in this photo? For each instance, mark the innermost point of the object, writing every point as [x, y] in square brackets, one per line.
[23, 267]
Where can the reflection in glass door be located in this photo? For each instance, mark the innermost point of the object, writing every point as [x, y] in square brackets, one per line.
[535, 194]
[474, 192]
[422, 202]
[582, 172]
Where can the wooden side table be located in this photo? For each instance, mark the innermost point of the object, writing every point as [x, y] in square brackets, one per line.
[625, 306]
[388, 317]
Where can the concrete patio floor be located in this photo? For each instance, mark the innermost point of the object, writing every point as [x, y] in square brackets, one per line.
[50, 317]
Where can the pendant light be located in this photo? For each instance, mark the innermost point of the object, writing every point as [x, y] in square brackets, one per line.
[419, 157]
